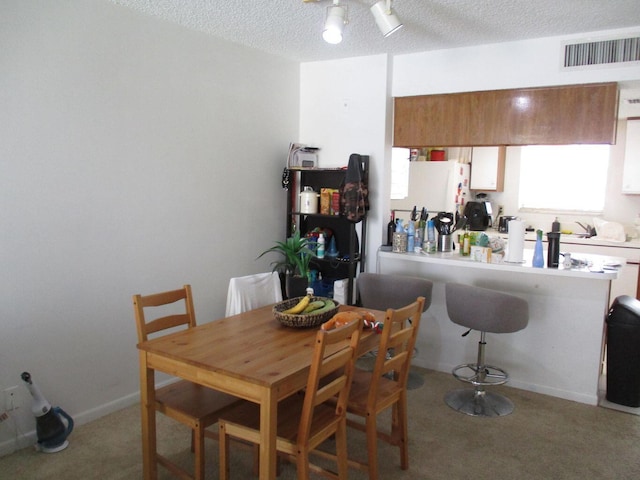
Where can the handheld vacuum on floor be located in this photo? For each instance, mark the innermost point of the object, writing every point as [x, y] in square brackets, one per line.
[50, 429]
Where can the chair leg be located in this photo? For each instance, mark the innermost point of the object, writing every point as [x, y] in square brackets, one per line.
[302, 464]
[199, 451]
[372, 445]
[223, 446]
[402, 433]
[341, 450]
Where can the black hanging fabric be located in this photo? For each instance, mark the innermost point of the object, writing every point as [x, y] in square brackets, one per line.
[354, 193]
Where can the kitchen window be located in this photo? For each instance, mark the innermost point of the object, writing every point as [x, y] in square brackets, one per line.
[563, 178]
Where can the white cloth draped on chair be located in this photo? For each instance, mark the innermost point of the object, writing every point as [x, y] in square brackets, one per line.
[253, 291]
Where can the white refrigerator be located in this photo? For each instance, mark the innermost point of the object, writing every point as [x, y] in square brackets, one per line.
[436, 186]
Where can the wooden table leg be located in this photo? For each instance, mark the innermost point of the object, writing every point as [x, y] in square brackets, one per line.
[148, 419]
[268, 433]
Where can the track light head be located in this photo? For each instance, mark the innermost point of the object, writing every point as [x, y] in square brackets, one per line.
[385, 17]
[334, 24]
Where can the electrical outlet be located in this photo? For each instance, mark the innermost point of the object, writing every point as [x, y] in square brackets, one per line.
[11, 398]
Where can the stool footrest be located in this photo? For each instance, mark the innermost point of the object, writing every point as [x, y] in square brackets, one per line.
[483, 375]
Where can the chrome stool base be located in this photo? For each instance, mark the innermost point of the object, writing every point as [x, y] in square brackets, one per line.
[478, 403]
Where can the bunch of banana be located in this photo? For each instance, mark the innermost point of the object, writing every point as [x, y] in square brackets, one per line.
[300, 306]
[306, 306]
[326, 306]
[313, 306]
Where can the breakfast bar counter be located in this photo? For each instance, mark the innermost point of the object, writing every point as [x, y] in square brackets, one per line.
[560, 351]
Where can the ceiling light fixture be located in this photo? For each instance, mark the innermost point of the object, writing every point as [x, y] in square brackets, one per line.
[335, 22]
[386, 18]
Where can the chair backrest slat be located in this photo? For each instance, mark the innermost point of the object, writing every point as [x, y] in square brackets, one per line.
[146, 327]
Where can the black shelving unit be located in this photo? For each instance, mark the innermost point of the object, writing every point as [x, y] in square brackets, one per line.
[350, 237]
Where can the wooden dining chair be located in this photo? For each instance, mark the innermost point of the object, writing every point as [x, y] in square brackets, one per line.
[193, 405]
[305, 420]
[373, 392]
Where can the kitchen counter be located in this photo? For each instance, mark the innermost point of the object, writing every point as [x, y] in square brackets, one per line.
[560, 351]
[605, 267]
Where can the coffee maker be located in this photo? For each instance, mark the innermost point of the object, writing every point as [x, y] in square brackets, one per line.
[478, 215]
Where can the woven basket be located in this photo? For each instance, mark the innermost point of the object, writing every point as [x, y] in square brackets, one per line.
[302, 320]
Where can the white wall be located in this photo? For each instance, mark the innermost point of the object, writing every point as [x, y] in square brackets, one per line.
[136, 156]
[528, 63]
[345, 108]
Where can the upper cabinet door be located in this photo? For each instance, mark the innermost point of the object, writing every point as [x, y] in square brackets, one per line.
[561, 115]
[487, 168]
[631, 172]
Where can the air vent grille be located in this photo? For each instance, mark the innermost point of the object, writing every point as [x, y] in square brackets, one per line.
[602, 52]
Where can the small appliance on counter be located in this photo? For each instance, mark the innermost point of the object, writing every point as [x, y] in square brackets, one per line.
[478, 215]
[503, 223]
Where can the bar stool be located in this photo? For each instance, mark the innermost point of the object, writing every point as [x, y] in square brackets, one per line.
[487, 311]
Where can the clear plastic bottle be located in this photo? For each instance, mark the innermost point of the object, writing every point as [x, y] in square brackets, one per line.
[431, 231]
[411, 232]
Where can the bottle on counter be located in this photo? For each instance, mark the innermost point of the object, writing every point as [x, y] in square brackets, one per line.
[553, 249]
[465, 247]
[431, 231]
[411, 236]
[538, 257]
[391, 226]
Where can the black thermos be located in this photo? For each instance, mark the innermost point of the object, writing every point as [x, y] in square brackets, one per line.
[553, 253]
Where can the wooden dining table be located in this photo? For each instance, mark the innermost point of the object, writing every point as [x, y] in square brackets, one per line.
[249, 355]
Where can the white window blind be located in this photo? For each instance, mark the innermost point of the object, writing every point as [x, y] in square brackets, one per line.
[563, 177]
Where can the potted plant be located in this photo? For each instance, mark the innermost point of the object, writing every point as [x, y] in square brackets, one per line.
[294, 265]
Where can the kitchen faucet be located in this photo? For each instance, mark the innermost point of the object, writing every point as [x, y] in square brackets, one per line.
[589, 230]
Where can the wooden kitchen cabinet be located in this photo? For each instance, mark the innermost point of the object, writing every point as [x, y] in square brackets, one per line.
[573, 114]
[487, 168]
[631, 171]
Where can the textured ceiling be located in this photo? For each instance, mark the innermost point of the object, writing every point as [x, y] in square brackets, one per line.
[292, 28]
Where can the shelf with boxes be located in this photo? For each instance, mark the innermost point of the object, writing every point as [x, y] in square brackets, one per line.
[313, 208]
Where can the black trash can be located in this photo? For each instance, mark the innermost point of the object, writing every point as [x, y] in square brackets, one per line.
[623, 352]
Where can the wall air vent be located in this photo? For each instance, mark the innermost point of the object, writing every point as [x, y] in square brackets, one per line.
[602, 52]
